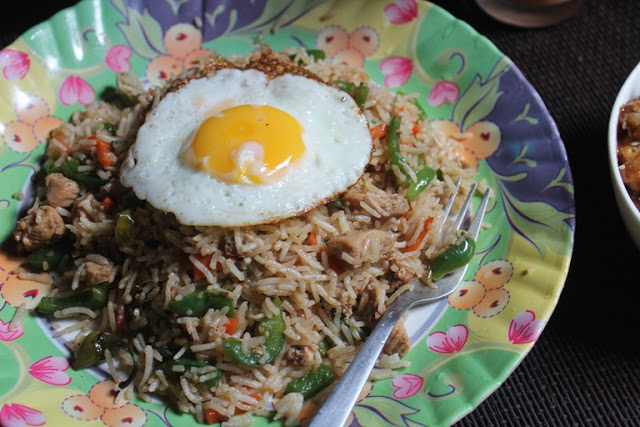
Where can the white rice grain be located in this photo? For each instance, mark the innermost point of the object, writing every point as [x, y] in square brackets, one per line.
[288, 408]
[18, 317]
[75, 311]
[148, 364]
[43, 278]
[203, 347]
[72, 328]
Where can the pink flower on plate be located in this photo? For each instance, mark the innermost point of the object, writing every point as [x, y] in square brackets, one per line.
[442, 92]
[406, 385]
[16, 64]
[51, 370]
[7, 335]
[76, 89]
[397, 70]
[450, 342]
[183, 43]
[118, 58]
[401, 11]
[16, 415]
[524, 328]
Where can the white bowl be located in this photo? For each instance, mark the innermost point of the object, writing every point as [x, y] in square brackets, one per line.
[629, 212]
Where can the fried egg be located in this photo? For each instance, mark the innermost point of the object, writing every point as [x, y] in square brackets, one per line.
[237, 148]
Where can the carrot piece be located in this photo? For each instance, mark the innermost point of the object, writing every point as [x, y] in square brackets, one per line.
[406, 214]
[103, 149]
[311, 239]
[415, 129]
[334, 263]
[107, 204]
[121, 319]
[197, 273]
[212, 417]
[232, 325]
[379, 131]
[67, 149]
[423, 233]
[119, 312]
[241, 411]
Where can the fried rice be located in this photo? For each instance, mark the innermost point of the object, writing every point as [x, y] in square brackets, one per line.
[328, 299]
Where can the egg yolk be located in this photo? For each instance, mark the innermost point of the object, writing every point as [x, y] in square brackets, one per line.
[246, 144]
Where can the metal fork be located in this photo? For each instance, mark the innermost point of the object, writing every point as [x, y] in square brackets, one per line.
[338, 405]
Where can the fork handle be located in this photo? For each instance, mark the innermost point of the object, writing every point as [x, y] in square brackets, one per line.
[338, 405]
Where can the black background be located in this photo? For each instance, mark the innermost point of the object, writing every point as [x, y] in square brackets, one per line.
[585, 368]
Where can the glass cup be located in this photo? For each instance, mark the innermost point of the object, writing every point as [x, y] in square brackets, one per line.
[530, 13]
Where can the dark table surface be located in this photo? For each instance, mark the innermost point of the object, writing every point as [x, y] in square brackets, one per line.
[585, 368]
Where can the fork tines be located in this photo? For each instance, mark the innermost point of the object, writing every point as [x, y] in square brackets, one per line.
[474, 227]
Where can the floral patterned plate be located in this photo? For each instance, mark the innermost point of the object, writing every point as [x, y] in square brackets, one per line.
[463, 347]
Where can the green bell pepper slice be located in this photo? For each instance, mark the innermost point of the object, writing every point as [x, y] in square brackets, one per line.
[424, 176]
[92, 297]
[452, 258]
[272, 328]
[49, 258]
[167, 368]
[312, 382]
[91, 351]
[199, 302]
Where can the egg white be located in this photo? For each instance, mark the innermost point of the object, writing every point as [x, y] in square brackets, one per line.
[336, 136]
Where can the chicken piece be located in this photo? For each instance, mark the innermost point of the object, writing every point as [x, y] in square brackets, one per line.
[385, 204]
[86, 207]
[398, 341]
[229, 245]
[61, 191]
[97, 273]
[301, 355]
[630, 174]
[362, 246]
[627, 152]
[629, 118]
[400, 274]
[372, 301]
[40, 227]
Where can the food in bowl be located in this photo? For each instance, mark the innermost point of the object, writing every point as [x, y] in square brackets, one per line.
[170, 269]
[628, 147]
